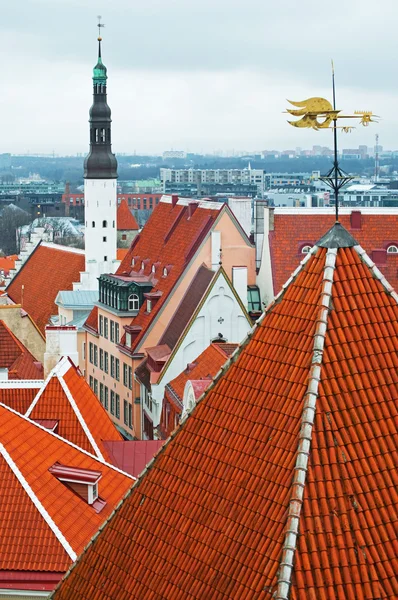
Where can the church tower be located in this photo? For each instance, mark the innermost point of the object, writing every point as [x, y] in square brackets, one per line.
[100, 189]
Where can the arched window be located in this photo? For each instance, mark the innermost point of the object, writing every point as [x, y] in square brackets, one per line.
[97, 135]
[104, 223]
[142, 265]
[113, 224]
[133, 262]
[153, 269]
[134, 302]
[93, 224]
[164, 272]
[392, 249]
[306, 249]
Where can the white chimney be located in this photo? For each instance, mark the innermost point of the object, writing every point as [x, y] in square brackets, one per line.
[60, 341]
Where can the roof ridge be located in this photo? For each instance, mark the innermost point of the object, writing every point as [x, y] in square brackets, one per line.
[51, 374]
[52, 525]
[305, 434]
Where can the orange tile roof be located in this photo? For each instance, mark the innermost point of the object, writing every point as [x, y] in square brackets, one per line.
[19, 398]
[299, 434]
[121, 253]
[125, 219]
[7, 263]
[67, 397]
[47, 271]
[43, 523]
[169, 239]
[92, 320]
[14, 356]
[206, 366]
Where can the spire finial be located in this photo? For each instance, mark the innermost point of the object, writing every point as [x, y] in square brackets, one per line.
[99, 35]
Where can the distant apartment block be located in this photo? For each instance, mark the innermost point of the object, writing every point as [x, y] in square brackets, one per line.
[200, 182]
[174, 154]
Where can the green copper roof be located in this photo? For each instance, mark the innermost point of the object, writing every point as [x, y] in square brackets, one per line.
[99, 72]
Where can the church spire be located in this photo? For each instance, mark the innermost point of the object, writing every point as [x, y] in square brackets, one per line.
[100, 162]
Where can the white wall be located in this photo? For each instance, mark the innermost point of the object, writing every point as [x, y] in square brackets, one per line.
[264, 277]
[221, 313]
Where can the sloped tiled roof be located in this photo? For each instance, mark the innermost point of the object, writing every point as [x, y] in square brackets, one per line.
[169, 239]
[121, 253]
[125, 219]
[7, 263]
[295, 228]
[19, 395]
[43, 523]
[48, 270]
[67, 397]
[299, 435]
[92, 320]
[16, 357]
[132, 456]
[206, 366]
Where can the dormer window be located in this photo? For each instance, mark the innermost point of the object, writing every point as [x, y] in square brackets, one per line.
[165, 272]
[148, 306]
[133, 262]
[82, 482]
[142, 266]
[306, 249]
[153, 269]
[134, 302]
[393, 249]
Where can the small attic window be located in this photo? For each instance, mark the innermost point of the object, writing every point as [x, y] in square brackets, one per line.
[83, 482]
[153, 269]
[306, 249]
[393, 249]
[142, 265]
[165, 272]
[133, 262]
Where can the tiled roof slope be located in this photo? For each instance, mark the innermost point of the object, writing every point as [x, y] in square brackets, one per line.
[292, 231]
[18, 398]
[206, 366]
[92, 320]
[43, 523]
[125, 219]
[132, 456]
[67, 398]
[47, 271]
[16, 358]
[169, 239]
[299, 434]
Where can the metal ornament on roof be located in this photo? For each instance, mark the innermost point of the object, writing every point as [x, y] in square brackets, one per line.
[319, 113]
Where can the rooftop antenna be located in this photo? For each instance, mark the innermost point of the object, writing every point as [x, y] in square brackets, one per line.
[318, 113]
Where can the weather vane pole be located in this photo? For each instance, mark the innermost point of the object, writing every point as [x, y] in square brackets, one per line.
[311, 111]
[100, 25]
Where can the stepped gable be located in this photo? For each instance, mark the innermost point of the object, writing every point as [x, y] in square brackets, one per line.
[282, 481]
[49, 269]
[67, 398]
[15, 357]
[169, 240]
[44, 524]
[125, 219]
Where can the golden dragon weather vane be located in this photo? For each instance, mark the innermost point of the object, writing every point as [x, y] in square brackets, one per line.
[319, 113]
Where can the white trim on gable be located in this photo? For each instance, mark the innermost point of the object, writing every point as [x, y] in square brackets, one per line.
[54, 528]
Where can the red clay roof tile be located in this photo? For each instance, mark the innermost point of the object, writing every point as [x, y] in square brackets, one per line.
[214, 505]
[15, 357]
[125, 219]
[47, 271]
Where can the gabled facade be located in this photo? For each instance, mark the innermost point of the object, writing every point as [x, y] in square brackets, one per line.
[139, 300]
[54, 498]
[216, 315]
[127, 226]
[284, 473]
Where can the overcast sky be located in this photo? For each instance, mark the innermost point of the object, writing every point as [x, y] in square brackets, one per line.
[197, 75]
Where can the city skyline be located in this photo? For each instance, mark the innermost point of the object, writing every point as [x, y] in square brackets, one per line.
[197, 78]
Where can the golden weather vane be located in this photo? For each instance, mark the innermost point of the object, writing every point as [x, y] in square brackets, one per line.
[319, 113]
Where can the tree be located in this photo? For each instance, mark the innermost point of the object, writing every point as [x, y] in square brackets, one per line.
[12, 218]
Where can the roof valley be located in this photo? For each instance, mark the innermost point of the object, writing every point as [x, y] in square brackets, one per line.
[305, 435]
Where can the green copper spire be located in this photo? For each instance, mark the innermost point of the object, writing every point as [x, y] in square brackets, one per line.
[99, 71]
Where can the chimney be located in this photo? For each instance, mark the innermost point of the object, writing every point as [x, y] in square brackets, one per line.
[174, 199]
[60, 341]
[4, 374]
[192, 206]
[379, 256]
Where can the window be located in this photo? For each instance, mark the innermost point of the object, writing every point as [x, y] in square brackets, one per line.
[130, 417]
[130, 380]
[96, 386]
[95, 355]
[306, 249]
[112, 366]
[112, 402]
[105, 327]
[101, 396]
[106, 362]
[101, 364]
[91, 381]
[112, 330]
[113, 224]
[106, 397]
[105, 258]
[125, 375]
[134, 302]
[148, 306]
[91, 352]
[84, 350]
[104, 239]
[101, 325]
[93, 224]
[165, 272]
[117, 369]
[117, 407]
[124, 236]
[392, 249]
[125, 412]
[145, 206]
[104, 223]
[153, 269]
[253, 298]
[117, 333]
